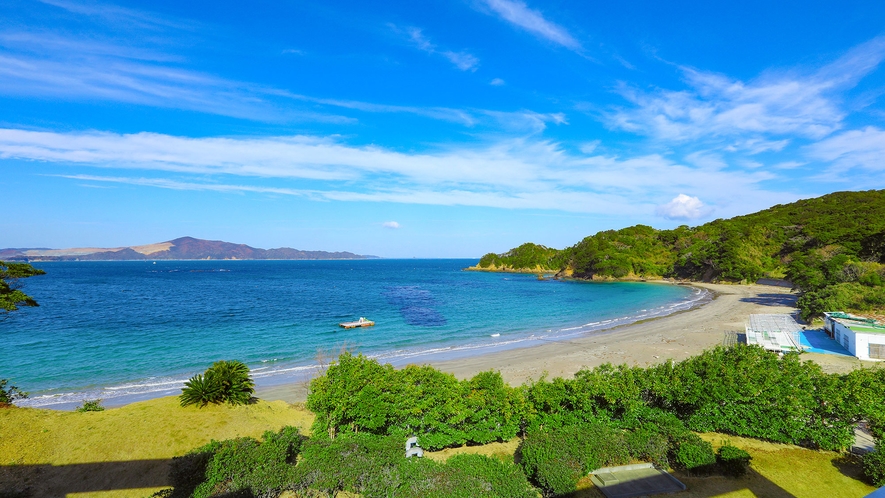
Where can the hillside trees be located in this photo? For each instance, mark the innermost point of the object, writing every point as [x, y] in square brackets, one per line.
[831, 248]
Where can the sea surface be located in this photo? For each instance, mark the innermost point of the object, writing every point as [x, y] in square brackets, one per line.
[123, 331]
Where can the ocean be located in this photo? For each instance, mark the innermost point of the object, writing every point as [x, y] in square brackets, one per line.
[123, 331]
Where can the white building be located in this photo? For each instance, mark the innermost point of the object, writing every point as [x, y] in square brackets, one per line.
[862, 337]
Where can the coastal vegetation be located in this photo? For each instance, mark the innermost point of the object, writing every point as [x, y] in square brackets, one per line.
[677, 415]
[226, 381]
[10, 393]
[832, 249]
[11, 296]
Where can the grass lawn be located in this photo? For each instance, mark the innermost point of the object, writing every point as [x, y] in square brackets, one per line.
[121, 451]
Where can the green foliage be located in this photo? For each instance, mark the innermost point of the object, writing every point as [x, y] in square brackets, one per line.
[748, 391]
[874, 465]
[555, 460]
[10, 394]
[525, 257]
[10, 295]
[817, 243]
[360, 395]
[223, 382]
[90, 406]
[238, 467]
[694, 455]
[732, 461]
[376, 466]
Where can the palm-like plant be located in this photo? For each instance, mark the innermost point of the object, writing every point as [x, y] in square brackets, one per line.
[223, 382]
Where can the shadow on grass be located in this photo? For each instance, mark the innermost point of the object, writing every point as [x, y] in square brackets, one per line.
[850, 466]
[772, 299]
[59, 480]
[705, 487]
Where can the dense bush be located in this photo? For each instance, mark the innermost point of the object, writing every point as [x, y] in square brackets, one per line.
[874, 465]
[359, 395]
[742, 390]
[748, 391]
[376, 466]
[732, 461]
[694, 455]
[238, 467]
[90, 406]
[555, 460]
[223, 382]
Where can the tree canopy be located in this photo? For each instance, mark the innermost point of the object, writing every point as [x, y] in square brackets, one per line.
[831, 248]
[10, 295]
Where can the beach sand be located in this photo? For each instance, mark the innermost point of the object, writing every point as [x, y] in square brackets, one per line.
[675, 337]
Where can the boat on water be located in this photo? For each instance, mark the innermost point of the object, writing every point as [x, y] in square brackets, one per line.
[362, 322]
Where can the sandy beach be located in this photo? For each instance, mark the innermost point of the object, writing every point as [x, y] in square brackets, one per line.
[676, 337]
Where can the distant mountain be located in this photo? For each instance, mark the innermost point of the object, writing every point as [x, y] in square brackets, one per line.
[181, 248]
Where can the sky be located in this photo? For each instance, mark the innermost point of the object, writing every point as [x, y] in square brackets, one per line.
[426, 129]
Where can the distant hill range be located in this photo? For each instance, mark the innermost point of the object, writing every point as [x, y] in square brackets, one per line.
[180, 249]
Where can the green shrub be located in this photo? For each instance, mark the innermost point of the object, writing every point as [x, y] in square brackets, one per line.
[223, 382]
[732, 461]
[484, 476]
[234, 467]
[90, 406]
[649, 445]
[358, 395]
[694, 455]
[555, 460]
[10, 394]
[874, 465]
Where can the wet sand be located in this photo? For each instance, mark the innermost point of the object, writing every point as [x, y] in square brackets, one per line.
[675, 337]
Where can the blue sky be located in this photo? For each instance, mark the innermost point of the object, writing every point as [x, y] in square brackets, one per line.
[426, 129]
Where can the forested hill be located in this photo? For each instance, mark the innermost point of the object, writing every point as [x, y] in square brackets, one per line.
[831, 248]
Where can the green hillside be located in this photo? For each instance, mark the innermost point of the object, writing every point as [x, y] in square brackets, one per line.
[830, 247]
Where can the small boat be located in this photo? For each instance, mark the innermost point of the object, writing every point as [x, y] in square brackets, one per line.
[362, 322]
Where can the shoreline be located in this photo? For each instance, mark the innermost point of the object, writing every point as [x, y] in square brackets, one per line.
[676, 336]
[288, 377]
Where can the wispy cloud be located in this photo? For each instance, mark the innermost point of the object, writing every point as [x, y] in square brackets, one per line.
[852, 150]
[519, 14]
[775, 103]
[464, 61]
[390, 224]
[516, 173]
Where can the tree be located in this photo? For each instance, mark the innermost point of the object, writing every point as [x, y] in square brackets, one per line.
[10, 295]
[10, 394]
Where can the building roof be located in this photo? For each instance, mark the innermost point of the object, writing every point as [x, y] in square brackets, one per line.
[857, 324]
[774, 332]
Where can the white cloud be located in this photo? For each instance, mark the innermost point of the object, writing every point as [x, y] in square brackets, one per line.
[775, 103]
[855, 149]
[521, 15]
[390, 224]
[515, 174]
[683, 207]
[497, 82]
[462, 60]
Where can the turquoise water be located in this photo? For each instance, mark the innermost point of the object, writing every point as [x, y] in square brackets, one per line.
[127, 330]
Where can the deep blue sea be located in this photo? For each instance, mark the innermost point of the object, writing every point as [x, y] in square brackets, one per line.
[128, 330]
